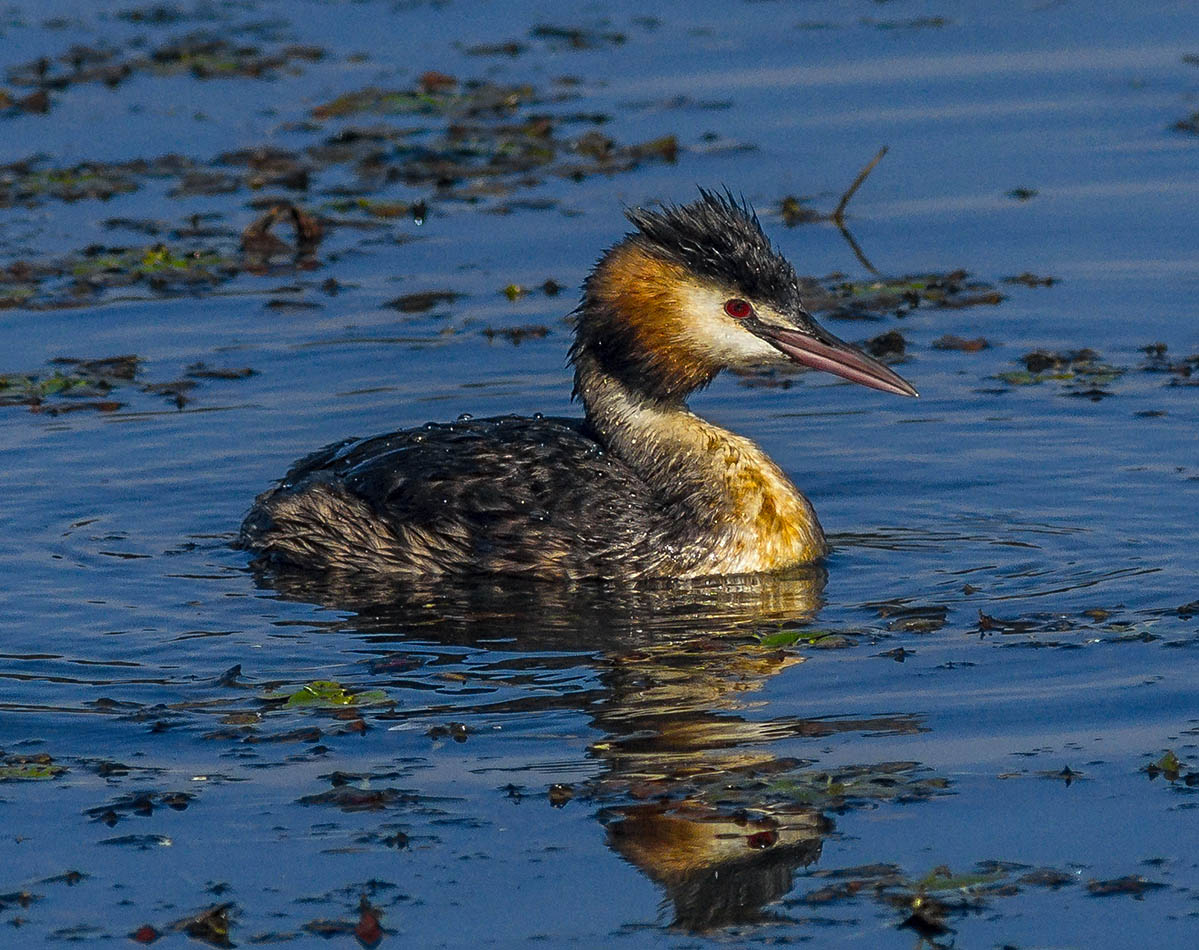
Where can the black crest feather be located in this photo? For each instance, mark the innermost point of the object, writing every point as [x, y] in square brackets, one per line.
[719, 237]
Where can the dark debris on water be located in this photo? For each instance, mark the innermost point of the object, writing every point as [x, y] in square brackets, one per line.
[142, 804]
[1080, 372]
[74, 384]
[182, 267]
[844, 299]
[929, 902]
[201, 55]
[1171, 768]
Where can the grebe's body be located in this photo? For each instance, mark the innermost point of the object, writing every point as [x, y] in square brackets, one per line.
[640, 488]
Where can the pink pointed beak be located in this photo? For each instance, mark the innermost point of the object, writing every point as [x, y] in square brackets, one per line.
[819, 349]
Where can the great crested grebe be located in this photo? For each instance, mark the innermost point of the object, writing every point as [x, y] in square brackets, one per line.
[639, 488]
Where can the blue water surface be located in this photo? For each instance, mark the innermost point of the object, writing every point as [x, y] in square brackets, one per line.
[974, 726]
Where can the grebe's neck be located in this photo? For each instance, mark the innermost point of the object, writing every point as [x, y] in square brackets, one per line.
[726, 506]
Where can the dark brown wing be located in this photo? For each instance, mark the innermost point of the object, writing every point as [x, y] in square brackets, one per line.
[508, 495]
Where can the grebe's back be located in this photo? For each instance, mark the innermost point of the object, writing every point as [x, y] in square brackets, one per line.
[512, 495]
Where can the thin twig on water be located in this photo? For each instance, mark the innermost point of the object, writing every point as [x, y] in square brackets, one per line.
[839, 213]
[857, 251]
[838, 216]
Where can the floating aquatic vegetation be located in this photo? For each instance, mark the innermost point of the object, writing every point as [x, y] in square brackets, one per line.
[1029, 279]
[481, 144]
[887, 345]
[930, 901]
[1181, 370]
[210, 926]
[201, 55]
[207, 56]
[203, 182]
[31, 182]
[142, 804]
[160, 14]
[267, 166]
[77, 384]
[574, 37]
[872, 299]
[36, 103]
[436, 94]
[1190, 124]
[915, 23]
[913, 618]
[72, 384]
[18, 389]
[158, 264]
[806, 636]
[368, 928]
[851, 786]
[477, 141]
[262, 249]
[951, 342]
[20, 898]
[350, 798]
[516, 335]
[375, 208]
[553, 36]
[138, 842]
[164, 268]
[1082, 372]
[1085, 373]
[506, 48]
[1132, 885]
[204, 371]
[551, 288]
[327, 693]
[1171, 768]
[423, 301]
[80, 278]
[795, 211]
[28, 768]
[25, 183]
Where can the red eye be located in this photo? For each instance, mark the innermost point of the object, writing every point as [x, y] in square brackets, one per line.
[737, 308]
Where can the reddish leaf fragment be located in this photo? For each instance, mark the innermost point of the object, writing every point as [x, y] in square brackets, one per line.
[433, 81]
[144, 934]
[368, 931]
[763, 839]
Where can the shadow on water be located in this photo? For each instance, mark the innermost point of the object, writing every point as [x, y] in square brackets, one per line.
[689, 789]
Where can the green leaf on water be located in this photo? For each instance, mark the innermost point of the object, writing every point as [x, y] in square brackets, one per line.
[941, 879]
[329, 693]
[1023, 377]
[787, 638]
[29, 772]
[1168, 765]
[784, 638]
[1169, 762]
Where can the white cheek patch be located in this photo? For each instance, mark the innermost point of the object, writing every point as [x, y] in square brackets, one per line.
[711, 331]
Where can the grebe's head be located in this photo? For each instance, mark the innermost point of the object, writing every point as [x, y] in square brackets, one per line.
[698, 288]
